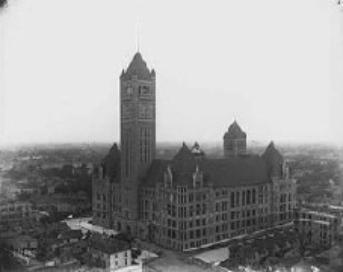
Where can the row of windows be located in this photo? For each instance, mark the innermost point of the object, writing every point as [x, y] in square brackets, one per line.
[145, 145]
[127, 152]
[203, 232]
[283, 197]
[200, 209]
[193, 210]
[143, 91]
[98, 197]
[245, 197]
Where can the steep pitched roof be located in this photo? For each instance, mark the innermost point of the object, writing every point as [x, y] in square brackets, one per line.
[139, 68]
[235, 131]
[155, 172]
[273, 159]
[231, 172]
[235, 171]
[183, 163]
[271, 153]
[111, 163]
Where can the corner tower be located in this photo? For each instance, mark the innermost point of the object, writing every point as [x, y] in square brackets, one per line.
[137, 131]
[235, 141]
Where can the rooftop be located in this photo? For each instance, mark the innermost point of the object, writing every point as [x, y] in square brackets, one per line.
[109, 245]
[138, 68]
[237, 171]
[235, 131]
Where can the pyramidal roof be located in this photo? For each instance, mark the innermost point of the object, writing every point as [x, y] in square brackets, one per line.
[184, 153]
[271, 154]
[235, 131]
[183, 163]
[274, 160]
[138, 68]
[111, 163]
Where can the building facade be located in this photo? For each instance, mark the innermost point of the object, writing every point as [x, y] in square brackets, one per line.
[16, 212]
[109, 254]
[317, 228]
[190, 200]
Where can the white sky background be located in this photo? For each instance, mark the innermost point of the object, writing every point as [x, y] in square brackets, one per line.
[274, 65]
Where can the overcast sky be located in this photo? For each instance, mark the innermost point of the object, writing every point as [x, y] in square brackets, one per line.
[275, 66]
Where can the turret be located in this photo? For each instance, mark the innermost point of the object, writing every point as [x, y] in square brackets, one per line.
[235, 141]
[274, 161]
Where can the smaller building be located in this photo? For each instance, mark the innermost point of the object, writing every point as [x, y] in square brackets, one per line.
[316, 228]
[23, 245]
[109, 254]
[70, 236]
[15, 212]
[259, 250]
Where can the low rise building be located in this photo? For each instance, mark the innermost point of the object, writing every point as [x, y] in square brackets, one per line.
[23, 245]
[277, 243]
[109, 254]
[317, 228]
[15, 212]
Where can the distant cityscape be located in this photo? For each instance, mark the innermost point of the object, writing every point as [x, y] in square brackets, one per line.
[142, 206]
[137, 204]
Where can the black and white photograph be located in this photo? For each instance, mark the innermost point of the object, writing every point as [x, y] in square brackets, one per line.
[171, 136]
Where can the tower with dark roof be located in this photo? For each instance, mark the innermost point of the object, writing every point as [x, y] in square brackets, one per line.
[137, 130]
[235, 141]
[274, 161]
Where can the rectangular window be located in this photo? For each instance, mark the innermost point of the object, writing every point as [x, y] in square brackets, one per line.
[248, 197]
[232, 199]
[237, 198]
[224, 206]
[197, 222]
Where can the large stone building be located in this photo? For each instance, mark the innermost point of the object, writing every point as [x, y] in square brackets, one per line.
[190, 200]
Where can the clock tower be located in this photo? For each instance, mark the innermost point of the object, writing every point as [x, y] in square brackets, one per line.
[137, 133]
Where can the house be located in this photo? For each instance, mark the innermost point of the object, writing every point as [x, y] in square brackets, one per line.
[317, 228]
[70, 236]
[109, 254]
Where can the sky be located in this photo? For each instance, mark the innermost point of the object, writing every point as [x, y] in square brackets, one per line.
[274, 66]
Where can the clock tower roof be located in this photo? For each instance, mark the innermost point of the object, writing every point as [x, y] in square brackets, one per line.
[138, 68]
